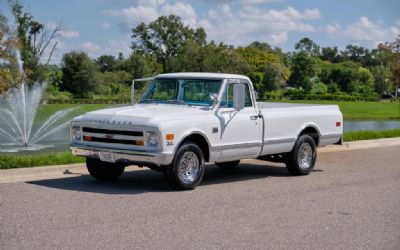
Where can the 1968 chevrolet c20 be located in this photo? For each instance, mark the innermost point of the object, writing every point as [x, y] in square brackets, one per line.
[185, 120]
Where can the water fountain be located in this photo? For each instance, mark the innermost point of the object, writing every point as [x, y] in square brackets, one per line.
[18, 108]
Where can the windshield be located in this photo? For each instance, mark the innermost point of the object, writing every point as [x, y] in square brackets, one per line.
[182, 91]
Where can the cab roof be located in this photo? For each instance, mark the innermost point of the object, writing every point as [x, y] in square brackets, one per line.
[191, 75]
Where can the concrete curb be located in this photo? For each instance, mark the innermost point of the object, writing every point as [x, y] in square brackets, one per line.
[74, 170]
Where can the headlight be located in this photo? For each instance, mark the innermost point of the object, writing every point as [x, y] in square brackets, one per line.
[76, 133]
[152, 139]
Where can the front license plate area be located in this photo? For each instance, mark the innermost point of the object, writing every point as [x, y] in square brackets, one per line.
[107, 157]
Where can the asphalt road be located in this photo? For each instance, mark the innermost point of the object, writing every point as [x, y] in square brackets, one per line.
[350, 201]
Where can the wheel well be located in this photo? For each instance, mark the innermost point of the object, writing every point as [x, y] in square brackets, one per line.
[201, 142]
[311, 131]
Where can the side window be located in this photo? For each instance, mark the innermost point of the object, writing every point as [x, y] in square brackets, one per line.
[227, 101]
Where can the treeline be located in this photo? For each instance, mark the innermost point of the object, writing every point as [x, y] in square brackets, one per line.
[167, 45]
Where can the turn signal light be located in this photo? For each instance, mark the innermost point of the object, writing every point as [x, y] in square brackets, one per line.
[338, 124]
[139, 143]
[87, 138]
[169, 137]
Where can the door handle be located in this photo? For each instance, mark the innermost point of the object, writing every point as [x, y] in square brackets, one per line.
[254, 117]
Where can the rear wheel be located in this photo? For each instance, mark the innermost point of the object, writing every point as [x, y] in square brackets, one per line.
[227, 164]
[187, 168]
[104, 171]
[303, 156]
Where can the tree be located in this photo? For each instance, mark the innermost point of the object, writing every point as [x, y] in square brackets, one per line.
[307, 46]
[382, 83]
[303, 67]
[34, 39]
[166, 38]
[9, 74]
[330, 54]
[106, 63]
[274, 77]
[78, 74]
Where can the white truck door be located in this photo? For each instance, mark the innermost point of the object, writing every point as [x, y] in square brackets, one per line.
[240, 129]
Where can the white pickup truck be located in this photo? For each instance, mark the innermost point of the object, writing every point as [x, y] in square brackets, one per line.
[185, 120]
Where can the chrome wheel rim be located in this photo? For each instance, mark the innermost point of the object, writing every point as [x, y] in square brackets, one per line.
[188, 167]
[305, 156]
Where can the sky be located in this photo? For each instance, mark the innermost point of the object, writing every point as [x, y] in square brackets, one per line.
[104, 26]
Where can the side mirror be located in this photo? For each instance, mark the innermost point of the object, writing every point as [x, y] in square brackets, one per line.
[133, 92]
[238, 96]
[213, 97]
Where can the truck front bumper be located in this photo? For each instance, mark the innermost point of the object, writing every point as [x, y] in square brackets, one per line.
[123, 156]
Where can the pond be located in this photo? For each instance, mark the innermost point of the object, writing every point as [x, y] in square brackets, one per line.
[354, 125]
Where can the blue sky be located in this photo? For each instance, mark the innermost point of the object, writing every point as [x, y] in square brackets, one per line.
[104, 26]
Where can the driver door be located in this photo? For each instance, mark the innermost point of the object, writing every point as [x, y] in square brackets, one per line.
[240, 129]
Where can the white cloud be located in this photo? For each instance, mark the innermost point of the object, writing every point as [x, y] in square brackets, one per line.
[185, 11]
[365, 31]
[67, 31]
[227, 23]
[134, 15]
[90, 46]
[105, 25]
[111, 47]
[333, 28]
[249, 23]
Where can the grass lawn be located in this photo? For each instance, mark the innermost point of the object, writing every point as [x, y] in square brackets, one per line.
[60, 158]
[362, 110]
[350, 110]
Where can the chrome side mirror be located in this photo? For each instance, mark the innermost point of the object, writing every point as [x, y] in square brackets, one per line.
[133, 92]
[238, 96]
[213, 97]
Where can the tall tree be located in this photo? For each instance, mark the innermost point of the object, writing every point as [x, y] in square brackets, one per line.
[165, 37]
[274, 77]
[303, 68]
[34, 39]
[78, 74]
[307, 46]
[8, 65]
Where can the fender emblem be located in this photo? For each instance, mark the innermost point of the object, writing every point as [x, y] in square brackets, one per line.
[109, 136]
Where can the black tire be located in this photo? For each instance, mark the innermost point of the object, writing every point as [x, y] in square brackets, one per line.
[175, 175]
[227, 164]
[104, 171]
[302, 164]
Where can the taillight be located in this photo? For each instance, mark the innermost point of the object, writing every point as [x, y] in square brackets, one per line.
[338, 124]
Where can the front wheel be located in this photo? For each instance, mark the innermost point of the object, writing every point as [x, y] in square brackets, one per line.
[303, 156]
[104, 171]
[187, 168]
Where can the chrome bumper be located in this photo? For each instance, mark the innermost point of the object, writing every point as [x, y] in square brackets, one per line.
[128, 156]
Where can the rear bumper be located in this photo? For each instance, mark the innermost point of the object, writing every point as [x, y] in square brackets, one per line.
[124, 156]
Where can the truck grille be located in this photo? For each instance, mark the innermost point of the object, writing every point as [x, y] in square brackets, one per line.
[113, 136]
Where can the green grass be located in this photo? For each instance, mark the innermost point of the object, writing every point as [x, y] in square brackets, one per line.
[41, 159]
[350, 110]
[46, 110]
[60, 158]
[362, 110]
[367, 134]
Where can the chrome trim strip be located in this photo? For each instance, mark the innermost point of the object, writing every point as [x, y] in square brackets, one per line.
[237, 146]
[288, 140]
[157, 158]
[330, 136]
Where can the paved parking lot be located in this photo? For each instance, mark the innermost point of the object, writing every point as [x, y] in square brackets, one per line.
[350, 201]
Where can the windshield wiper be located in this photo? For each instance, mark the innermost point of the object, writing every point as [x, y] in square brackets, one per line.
[146, 100]
[177, 102]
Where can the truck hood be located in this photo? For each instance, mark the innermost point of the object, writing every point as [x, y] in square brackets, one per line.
[143, 114]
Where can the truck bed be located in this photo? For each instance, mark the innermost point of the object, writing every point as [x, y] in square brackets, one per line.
[273, 105]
